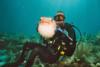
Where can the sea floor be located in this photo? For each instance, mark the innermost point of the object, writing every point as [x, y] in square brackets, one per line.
[87, 53]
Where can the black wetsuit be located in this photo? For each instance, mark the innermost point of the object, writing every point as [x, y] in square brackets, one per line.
[60, 37]
[49, 53]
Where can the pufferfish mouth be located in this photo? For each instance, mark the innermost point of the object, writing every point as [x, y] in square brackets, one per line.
[46, 27]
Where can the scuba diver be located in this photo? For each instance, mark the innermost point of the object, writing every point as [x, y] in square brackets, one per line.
[64, 35]
[55, 45]
[68, 31]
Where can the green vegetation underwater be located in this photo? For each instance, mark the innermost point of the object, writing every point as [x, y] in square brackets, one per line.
[18, 25]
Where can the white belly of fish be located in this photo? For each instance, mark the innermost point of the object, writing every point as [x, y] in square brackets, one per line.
[47, 30]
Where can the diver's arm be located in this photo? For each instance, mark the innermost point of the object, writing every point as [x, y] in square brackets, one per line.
[71, 32]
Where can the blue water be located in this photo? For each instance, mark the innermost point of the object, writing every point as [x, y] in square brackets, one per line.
[22, 16]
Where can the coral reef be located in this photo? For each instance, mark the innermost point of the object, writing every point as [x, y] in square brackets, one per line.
[87, 53]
